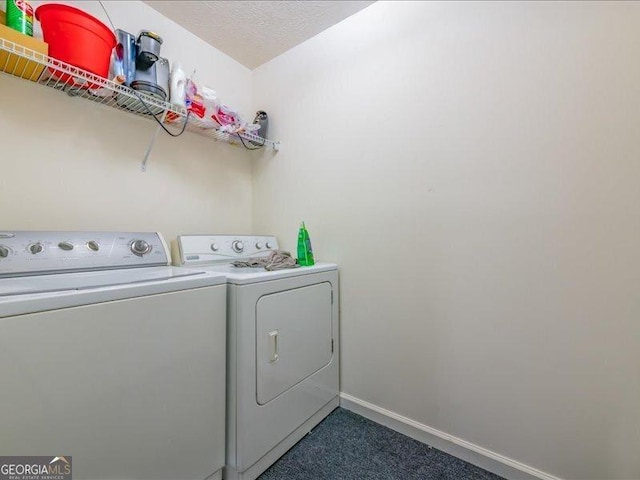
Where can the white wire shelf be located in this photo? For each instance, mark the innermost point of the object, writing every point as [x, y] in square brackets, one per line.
[44, 70]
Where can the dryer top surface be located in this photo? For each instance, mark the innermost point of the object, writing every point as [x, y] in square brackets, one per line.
[244, 275]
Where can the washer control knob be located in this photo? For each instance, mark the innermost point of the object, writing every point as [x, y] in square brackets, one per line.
[66, 246]
[93, 245]
[237, 246]
[214, 247]
[140, 247]
[35, 248]
[269, 245]
[259, 245]
[4, 251]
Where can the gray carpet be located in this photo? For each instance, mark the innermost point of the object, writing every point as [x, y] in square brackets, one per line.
[346, 446]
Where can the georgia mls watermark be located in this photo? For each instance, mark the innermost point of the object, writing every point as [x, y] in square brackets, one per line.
[35, 468]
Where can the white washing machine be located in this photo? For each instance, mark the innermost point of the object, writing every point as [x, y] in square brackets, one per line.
[110, 356]
[282, 363]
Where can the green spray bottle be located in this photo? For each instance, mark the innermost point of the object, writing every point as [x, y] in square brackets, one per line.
[305, 253]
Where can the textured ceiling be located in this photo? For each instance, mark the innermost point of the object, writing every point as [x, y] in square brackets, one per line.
[254, 32]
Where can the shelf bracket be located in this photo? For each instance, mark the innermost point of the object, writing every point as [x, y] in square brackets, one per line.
[143, 166]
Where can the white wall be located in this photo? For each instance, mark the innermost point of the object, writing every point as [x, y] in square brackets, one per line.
[68, 164]
[473, 168]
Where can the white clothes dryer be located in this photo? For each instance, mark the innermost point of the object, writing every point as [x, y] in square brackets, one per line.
[282, 348]
[111, 357]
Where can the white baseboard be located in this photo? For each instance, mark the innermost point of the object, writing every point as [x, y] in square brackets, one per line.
[481, 457]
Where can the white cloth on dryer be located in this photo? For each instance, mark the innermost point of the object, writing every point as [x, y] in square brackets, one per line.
[276, 260]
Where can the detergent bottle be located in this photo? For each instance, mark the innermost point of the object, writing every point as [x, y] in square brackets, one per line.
[305, 253]
[178, 85]
[20, 16]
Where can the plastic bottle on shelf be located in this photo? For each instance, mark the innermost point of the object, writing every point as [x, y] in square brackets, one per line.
[305, 253]
[20, 16]
[178, 85]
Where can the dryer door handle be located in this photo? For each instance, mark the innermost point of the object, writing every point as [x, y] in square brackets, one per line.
[273, 346]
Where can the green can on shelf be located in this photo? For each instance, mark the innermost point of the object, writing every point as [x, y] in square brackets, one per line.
[20, 16]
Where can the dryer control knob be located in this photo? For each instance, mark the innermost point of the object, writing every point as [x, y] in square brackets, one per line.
[4, 251]
[35, 248]
[214, 247]
[65, 246]
[259, 245]
[269, 245]
[237, 246]
[140, 247]
[93, 245]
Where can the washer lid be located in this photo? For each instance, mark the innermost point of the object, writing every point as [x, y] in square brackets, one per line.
[50, 292]
[90, 280]
[244, 276]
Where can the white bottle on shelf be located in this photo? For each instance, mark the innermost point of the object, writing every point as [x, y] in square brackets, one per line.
[178, 85]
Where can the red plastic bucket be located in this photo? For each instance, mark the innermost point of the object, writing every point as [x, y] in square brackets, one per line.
[77, 38]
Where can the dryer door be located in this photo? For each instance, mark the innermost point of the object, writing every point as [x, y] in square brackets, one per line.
[293, 330]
